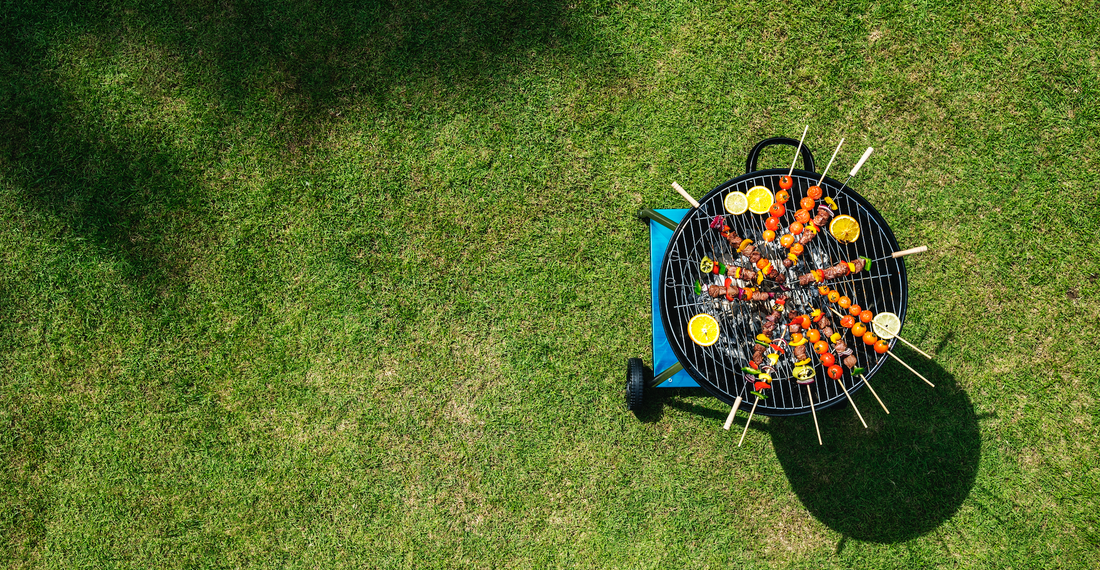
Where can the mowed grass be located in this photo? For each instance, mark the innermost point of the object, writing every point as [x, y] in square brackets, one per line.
[337, 284]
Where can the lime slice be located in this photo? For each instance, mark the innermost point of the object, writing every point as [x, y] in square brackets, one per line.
[844, 228]
[736, 203]
[703, 329]
[886, 325]
[760, 199]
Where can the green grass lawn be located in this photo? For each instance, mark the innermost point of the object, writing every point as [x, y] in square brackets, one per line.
[351, 284]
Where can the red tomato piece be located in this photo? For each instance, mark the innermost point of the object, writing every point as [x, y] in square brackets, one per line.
[835, 372]
[777, 209]
[828, 359]
[796, 228]
[814, 192]
[866, 316]
[802, 216]
[772, 224]
[855, 310]
[807, 203]
[821, 347]
[847, 321]
[785, 183]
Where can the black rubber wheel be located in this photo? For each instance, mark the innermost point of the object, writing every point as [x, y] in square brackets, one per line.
[635, 384]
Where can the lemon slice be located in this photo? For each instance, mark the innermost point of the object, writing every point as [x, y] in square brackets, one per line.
[886, 325]
[760, 199]
[736, 203]
[703, 329]
[844, 228]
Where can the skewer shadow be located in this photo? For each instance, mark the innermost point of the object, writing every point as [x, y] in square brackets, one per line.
[901, 478]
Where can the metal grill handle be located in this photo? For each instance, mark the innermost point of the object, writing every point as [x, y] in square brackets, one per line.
[807, 156]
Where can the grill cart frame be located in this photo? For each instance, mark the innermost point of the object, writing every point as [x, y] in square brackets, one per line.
[680, 237]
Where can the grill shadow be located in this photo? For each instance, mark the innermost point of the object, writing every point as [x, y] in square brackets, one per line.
[902, 477]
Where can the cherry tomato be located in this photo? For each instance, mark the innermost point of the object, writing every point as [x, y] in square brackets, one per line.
[797, 248]
[828, 359]
[769, 235]
[859, 330]
[805, 321]
[802, 217]
[777, 209]
[772, 223]
[869, 338]
[821, 347]
[847, 321]
[844, 302]
[786, 240]
[813, 335]
[785, 183]
[796, 228]
[796, 337]
[881, 347]
[834, 296]
[807, 203]
[824, 290]
[855, 310]
[814, 192]
[835, 372]
[866, 316]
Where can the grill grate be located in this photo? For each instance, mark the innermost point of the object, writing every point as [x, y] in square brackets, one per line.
[717, 368]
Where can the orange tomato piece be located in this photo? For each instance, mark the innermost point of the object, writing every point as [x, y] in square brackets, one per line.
[814, 192]
[859, 330]
[844, 302]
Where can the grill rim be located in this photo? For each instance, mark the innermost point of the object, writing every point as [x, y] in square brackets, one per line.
[832, 185]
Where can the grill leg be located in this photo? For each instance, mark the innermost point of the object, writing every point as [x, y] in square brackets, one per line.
[649, 214]
[669, 373]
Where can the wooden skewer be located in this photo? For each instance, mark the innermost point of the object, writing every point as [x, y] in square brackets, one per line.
[852, 402]
[814, 412]
[686, 196]
[873, 392]
[751, 412]
[855, 169]
[830, 162]
[733, 412]
[904, 252]
[797, 150]
[907, 343]
[910, 345]
[910, 369]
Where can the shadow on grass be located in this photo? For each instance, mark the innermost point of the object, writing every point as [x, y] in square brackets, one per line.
[901, 478]
[898, 480]
[284, 70]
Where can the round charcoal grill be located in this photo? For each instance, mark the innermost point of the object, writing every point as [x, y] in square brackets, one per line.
[717, 368]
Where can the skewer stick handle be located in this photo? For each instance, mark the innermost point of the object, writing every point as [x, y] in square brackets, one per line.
[911, 369]
[814, 412]
[853, 403]
[862, 159]
[733, 412]
[751, 412]
[823, 174]
[910, 345]
[686, 196]
[905, 252]
[865, 381]
[798, 150]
